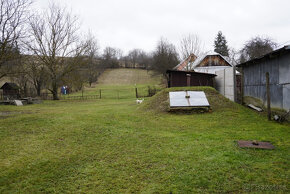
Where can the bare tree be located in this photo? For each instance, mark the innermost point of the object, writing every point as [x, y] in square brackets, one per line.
[133, 56]
[93, 66]
[13, 16]
[138, 58]
[256, 47]
[36, 71]
[190, 44]
[55, 42]
[21, 78]
[165, 57]
[233, 56]
[111, 57]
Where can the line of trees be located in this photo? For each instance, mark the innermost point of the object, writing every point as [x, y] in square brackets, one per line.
[45, 51]
[40, 50]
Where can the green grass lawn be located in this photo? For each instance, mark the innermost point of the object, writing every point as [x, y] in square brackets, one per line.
[117, 146]
[121, 83]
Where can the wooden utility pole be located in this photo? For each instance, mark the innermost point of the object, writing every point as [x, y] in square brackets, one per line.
[242, 86]
[235, 83]
[136, 91]
[82, 92]
[268, 96]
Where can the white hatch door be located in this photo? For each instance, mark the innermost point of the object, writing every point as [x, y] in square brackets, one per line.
[188, 99]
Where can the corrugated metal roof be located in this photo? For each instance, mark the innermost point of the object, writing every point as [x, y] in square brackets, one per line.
[192, 72]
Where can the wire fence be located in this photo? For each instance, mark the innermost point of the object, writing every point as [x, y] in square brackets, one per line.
[106, 93]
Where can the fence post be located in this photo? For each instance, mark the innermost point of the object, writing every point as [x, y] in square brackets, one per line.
[118, 94]
[224, 82]
[268, 96]
[242, 85]
[136, 91]
[235, 84]
[100, 93]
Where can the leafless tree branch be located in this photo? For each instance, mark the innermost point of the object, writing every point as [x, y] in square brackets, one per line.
[54, 40]
[190, 44]
[13, 17]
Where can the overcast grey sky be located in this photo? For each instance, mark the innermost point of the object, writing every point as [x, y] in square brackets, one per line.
[128, 24]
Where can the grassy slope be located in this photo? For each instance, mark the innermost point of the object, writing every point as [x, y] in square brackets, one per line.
[122, 82]
[115, 146]
[129, 77]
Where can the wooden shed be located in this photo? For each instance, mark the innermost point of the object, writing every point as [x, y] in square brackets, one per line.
[189, 78]
[10, 90]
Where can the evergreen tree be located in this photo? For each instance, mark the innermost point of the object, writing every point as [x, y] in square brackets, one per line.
[220, 44]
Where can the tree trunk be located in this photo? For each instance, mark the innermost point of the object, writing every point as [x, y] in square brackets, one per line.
[54, 91]
[25, 89]
[38, 90]
[37, 86]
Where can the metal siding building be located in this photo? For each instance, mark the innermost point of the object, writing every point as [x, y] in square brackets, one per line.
[277, 63]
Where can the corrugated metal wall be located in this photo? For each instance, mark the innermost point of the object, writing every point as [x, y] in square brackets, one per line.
[284, 79]
[255, 81]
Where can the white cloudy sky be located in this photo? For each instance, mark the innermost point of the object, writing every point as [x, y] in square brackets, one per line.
[129, 24]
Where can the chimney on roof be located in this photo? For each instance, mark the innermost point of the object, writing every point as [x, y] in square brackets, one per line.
[192, 58]
[188, 75]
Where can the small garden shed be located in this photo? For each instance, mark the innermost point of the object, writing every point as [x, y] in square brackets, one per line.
[189, 78]
[10, 90]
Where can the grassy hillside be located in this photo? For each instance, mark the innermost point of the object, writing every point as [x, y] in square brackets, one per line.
[117, 146]
[125, 76]
[121, 83]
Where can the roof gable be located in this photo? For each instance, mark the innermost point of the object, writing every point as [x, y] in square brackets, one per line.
[207, 60]
[203, 59]
[10, 86]
[184, 64]
[213, 60]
